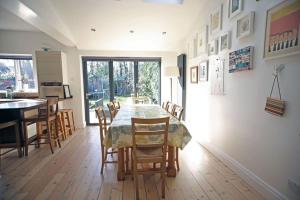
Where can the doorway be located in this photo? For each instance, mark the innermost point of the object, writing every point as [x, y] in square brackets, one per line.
[123, 79]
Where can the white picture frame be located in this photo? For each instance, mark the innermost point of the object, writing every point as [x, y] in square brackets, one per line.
[202, 37]
[245, 25]
[225, 41]
[235, 7]
[203, 70]
[213, 47]
[215, 19]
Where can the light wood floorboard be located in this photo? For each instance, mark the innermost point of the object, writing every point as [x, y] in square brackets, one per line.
[73, 172]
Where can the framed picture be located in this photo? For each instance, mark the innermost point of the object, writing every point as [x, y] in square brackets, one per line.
[282, 33]
[194, 74]
[235, 7]
[225, 41]
[213, 47]
[202, 36]
[67, 92]
[217, 76]
[203, 71]
[245, 25]
[241, 59]
[216, 20]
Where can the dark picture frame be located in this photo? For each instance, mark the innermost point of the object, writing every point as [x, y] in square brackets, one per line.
[194, 74]
[67, 92]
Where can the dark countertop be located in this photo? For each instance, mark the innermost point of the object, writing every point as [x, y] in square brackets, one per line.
[7, 104]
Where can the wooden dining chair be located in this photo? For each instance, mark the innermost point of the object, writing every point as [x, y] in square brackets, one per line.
[112, 111]
[103, 132]
[170, 107]
[47, 125]
[177, 113]
[149, 152]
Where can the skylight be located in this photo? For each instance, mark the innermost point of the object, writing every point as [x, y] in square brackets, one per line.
[165, 1]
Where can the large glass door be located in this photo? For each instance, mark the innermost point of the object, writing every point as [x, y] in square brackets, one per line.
[123, 81]
[97, 90]
[127, 80]
[148, 84]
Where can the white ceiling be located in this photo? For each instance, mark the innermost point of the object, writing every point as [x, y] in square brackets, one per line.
[113, 19]
[9, 21]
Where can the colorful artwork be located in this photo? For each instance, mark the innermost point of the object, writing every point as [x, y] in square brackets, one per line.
[225, 41]
[245, 26]
[203, 71]
[216, 20]
[194, 74]
[241, 59]
[202, 36]
[235, 7]
[283, 30]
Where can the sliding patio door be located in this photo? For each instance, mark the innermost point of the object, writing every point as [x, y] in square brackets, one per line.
[122, 79]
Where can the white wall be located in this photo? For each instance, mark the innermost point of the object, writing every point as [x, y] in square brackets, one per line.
[25, 42]
[236, 123]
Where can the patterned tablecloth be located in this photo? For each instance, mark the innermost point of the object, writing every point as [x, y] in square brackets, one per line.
[120, 135]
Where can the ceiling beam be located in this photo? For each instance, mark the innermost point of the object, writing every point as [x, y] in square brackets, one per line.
[38, 17]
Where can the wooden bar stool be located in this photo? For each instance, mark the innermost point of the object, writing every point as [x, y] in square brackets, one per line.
[68, 121]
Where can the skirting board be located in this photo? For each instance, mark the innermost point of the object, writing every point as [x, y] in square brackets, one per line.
[257, 183]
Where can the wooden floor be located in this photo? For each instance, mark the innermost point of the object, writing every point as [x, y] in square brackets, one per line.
[73, 172]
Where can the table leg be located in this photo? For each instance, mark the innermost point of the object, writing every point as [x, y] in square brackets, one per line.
[121, 170]
[171, 170]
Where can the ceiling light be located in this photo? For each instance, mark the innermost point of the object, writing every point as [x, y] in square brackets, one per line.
[165, 1]
[131, 31]
[93, 29]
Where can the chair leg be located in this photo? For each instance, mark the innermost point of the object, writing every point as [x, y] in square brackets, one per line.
[136, 182]
[103, 160]
[56, 134]
[49, 137]
[177, 159]
[26, 138]
[17, 140]
[73, 121]
[163, 182]
[127, 159]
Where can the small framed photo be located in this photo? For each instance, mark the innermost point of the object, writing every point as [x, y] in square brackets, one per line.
[67, 92]
[245, 26]
[202, 37]
[213, 47]
[225, 41]
[203, 71]
[194, 74]
[235, 7]
[216, 20]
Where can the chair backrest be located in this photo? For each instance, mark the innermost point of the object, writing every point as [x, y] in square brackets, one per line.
[167, 105]
[116, 104]
[52, 106]
[102, 123]
[177, 112]
[170, 107]
[159, 127]
[112, 110]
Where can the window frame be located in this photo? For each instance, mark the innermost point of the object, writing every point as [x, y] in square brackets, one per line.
[22, 57]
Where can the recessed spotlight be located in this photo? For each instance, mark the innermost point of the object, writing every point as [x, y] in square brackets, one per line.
[93, 29]
[131, 31]
[164, 33]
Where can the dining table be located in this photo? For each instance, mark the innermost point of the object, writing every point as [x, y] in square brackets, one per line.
[119, 135]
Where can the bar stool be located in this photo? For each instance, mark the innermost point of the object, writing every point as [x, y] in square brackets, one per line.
[68, 121]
